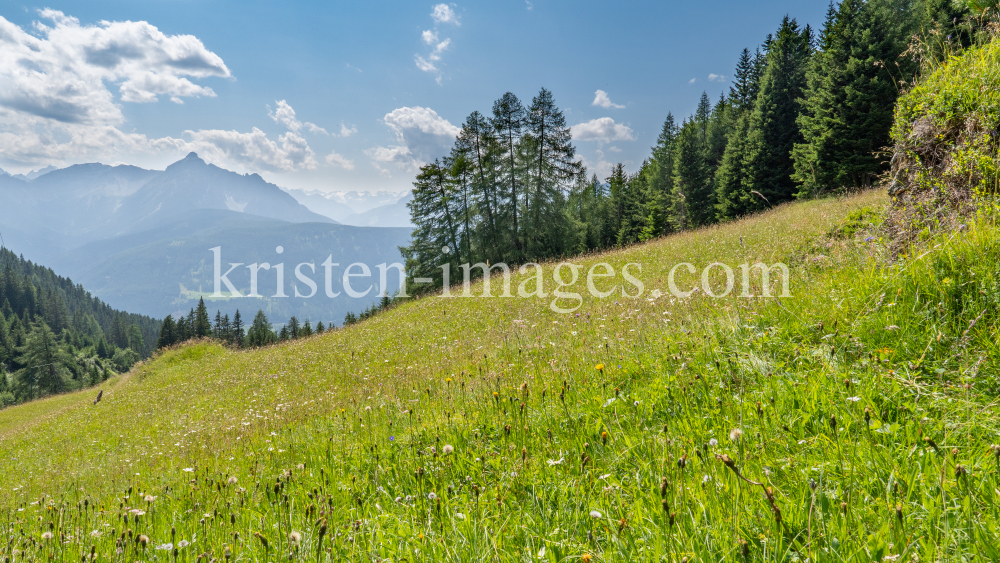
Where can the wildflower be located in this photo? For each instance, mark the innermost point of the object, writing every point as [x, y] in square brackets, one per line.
[713, 442]
[149, 498]
[233, 480]
[448, 449]
[165, 547]
[585, 558]
[854, 399]
[735, 434]
[392, 438]
[47, 536]
[295, 537]
[183, 543]
[599, 367]
[432, 496]
[595, 514]
[142, 540]
[459, 516]
[188, 469]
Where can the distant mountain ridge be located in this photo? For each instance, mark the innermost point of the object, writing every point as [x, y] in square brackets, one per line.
[361, 209]
[140, 239]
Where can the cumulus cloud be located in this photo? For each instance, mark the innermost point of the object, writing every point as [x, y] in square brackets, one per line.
[443, 13]
[63, 72]
[283, 114]
[601, 99]
[253, 150]
[345, 132]
[602, 129]
[421, 135]
[339, 160]
[716, 78]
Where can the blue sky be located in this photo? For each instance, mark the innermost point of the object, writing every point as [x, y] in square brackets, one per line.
[375, 88]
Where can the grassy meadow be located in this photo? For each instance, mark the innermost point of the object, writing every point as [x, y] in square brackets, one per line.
[853, 421]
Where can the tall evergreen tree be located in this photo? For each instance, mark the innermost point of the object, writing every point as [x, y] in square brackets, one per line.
[508, 124]
[772, 129]
[260, 333]
[167, 333]
[847, 110]
[237, 329]
[46, 364]
[202, 325]
[550, 169]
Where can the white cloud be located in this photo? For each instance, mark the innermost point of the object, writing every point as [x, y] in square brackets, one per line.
[425, 65]
[63, 72]
[443, 13]
[284, 115]
[315, 129]
[253, 150]
[438, 49]
[602, 129]
[716, 78]
[430, 36]
[421, 135]
[529, 5]
[339, 160]
[692, 81]
[601, 99]
[345, 132]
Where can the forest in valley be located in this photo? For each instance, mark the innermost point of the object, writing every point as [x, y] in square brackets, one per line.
[808, 113]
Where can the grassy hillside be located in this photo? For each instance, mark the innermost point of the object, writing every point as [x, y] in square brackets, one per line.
[852, 421]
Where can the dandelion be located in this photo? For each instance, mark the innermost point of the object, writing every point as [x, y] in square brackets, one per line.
[183, 543]
[142, 540]
[599, 367]
[188, 469]
[165, 547]
[595, 514]
[149, 498]
[233, 480]
[295, 537]
[448, 449]
[713, 442]
[47, 536]
[432, 496]
[735, 434]
[585, 558]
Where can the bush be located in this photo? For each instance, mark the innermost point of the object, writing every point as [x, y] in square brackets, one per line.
[124, 359]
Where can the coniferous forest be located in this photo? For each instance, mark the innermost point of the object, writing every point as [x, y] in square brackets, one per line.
[56, 337]
[807, 114]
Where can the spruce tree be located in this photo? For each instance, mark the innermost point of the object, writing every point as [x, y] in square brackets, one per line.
[320, 329]
[293, 328]
[772, 129]
[45, 363]
[260, 332]
[848, 106]
[202, 325]
[167, 333]
[237, 329]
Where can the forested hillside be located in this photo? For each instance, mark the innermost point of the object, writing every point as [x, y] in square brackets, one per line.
[55, 336]
[808, 114]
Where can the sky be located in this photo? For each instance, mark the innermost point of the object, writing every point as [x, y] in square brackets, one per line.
[337, 96]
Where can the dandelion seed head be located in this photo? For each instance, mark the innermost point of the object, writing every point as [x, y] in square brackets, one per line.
[595, 514]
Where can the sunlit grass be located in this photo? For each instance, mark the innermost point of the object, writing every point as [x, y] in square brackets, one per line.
[482, 429]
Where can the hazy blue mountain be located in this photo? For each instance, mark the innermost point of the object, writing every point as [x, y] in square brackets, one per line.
[141, 239]
[167, 269]
[34, 173]
[362, 209]
[392, 215]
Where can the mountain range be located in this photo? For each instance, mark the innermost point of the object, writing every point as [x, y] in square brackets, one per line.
[140, 239]
[362, 209]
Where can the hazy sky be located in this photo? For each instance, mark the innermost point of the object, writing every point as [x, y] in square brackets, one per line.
[352, 95]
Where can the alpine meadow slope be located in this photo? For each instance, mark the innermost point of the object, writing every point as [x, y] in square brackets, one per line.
[650, 428]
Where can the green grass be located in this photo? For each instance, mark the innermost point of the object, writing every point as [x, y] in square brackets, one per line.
[864, 408]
